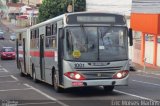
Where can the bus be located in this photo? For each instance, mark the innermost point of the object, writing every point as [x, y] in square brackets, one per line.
[78, 49]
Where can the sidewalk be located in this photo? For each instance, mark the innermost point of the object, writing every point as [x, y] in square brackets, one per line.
[146, 69]
[9, 25]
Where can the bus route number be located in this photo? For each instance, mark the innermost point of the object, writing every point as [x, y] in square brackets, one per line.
[79, 65]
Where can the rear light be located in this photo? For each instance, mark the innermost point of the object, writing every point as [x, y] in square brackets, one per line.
[74, 76]
[120, 74]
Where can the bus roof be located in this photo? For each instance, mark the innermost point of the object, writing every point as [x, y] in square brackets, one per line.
[61, 17]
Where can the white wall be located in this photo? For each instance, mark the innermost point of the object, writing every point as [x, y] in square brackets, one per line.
[118, 6]
[149, 47]
[146, 6]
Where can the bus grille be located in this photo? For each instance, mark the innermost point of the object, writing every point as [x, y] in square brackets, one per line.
[101, 73]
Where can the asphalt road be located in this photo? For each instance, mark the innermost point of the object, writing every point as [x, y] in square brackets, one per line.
[22, 91]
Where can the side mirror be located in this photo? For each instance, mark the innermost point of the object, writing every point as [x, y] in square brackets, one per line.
[130, 34]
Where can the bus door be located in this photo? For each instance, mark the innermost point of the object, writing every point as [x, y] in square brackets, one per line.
[60, 54]
[42, 64]
[24, 54]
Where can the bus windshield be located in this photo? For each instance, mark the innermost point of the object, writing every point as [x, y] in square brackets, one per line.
[85, 43]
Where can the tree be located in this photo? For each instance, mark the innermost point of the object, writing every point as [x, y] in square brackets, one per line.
[53, 8]
[15, 1]
[79, 5]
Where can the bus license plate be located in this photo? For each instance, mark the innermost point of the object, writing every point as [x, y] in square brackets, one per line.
[77, 84]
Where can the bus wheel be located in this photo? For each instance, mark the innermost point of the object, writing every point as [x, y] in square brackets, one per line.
[34, 74]
[55, 83]
[108, 88]
[20, 69]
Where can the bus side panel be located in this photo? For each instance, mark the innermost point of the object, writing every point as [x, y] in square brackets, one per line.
[35, 55]
[35, 62]
[50, 61]
[28, 70]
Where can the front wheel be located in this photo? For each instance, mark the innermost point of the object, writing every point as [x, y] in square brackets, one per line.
[55, 83]
[108, 88]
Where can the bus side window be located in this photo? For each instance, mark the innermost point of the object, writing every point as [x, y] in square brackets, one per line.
[35, 38]
[50, 40]
[48, 30]
[32, 38]
[54, 29]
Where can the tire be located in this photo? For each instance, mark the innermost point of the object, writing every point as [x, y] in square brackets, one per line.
[108, 88]
[34, 74]
[55, 83]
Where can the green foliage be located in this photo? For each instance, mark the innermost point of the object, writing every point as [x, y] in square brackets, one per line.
[79, 5]
[15, 1]
[53, 8]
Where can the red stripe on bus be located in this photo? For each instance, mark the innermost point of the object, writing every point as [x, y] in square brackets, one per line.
[46, 53]
[35, 53]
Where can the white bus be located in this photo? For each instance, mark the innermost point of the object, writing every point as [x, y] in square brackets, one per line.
[76, 50]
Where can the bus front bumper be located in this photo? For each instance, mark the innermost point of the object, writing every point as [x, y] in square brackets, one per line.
[69, 83]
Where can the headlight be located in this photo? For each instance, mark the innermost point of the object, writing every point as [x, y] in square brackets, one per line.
[3, 54]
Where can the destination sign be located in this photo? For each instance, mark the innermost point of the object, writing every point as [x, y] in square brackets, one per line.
[95, 19]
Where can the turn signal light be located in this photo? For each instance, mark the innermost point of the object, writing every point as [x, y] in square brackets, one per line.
[121, 74]
[75, 76]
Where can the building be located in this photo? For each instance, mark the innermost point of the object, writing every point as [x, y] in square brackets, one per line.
[3, 8]
[116, 6]
[145, 22]
[32, 2]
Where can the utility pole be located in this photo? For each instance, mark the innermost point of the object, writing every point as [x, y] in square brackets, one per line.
[28, 2]
[73, 5]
